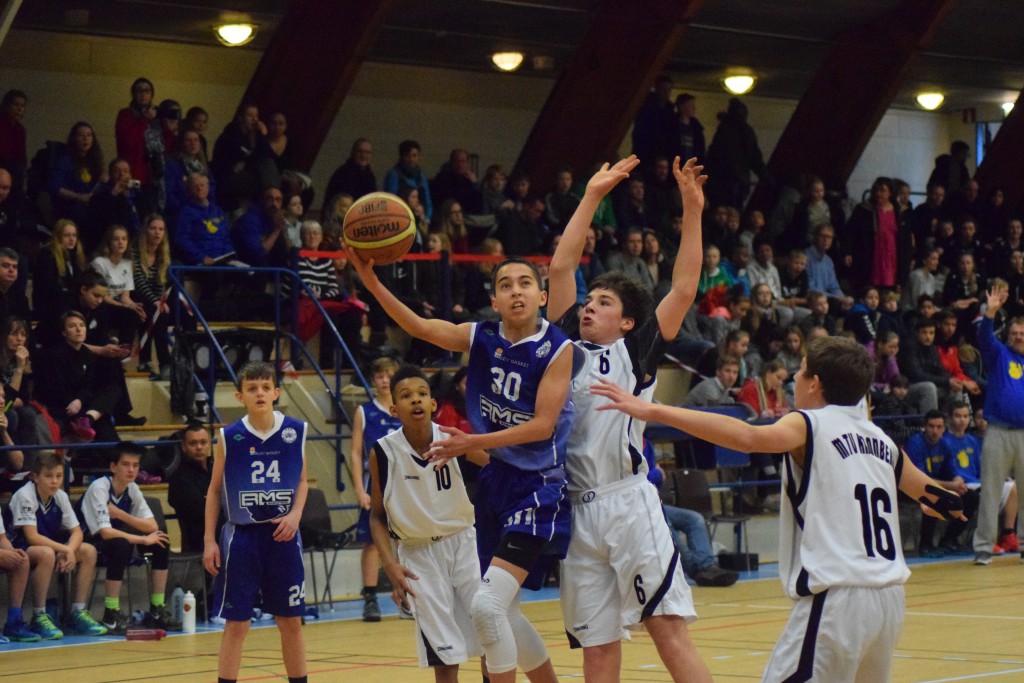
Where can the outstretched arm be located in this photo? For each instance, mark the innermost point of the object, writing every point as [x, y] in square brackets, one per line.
[438, 332]
[561, 276]
[786, 435]
[686, 271]
[935, 500]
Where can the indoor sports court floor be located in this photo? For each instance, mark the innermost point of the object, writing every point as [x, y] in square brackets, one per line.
[963, 623]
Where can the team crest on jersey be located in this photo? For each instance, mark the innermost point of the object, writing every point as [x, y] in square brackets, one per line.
[544, 349]
[252, 450]
[289, 435]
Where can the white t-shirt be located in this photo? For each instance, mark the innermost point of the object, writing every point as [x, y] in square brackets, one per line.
[119, 277]
[100, 493]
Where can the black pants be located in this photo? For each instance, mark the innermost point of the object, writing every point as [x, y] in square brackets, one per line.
[119, 552]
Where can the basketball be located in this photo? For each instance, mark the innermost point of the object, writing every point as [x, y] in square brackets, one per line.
[381, 226]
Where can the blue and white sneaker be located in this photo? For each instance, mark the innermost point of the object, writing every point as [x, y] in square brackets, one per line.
[43, 626]
[19, 632]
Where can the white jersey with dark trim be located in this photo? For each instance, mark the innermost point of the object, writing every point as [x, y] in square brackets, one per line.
[422, 503]
[839, 522]
[607, 446]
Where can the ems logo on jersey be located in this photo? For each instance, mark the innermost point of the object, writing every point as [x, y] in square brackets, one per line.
[289, 435]
[544, 349]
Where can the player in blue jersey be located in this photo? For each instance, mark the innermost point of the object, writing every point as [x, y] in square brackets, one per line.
[517, 397]
[372, 421]
[623, 570]
[259, 476]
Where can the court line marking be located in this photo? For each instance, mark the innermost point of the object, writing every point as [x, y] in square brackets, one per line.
[975, 676]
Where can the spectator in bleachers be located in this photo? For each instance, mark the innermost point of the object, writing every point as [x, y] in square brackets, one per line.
[732, 156]
[258, 235]
[1015, 285]
[11, 211]
[920, 361]
[188, 484]
[594, 266]
[407, 173]
[479, 288]
[77, 173]
[560, 203]
[293, 211]
[965, 463]
[242, 160]
[795, 285]
[115, 203]
[629, 260]
[355, 177]
[16, 565]
[58, 264]
[661, 195]
[131, 126]
[332, 219]
[456, 180]
[714, 284]
[13, 150]
[716, 390]
[764, 393]
[161, 142]
[492, 191]
[931, 454]
[68, 384]
[411, 196]
[689, 130]
[318, 274]
[114, 262]
[813, 210]
[925, 219]
[150, 262]
[518, 189]
[965, 241]
[197, 119]
[884, 351]
[16, 378]
[521, 233]
[926, 278]
[964, 289]
[763, 321]
[998, 252]
[12, 300]
[277, 141]
[864, 318]
[819, 316]
[450, 219]
[753, 227]
[891, 318]
[654, 129]
[793, 350]
[202, 235]
[659, 267]
[821, 271]
[966, 202]
[891, 404]
[947, 344]
[762, 270]
[631, 209]
[951, 169]
[190, 158]
[736, 266]
[735, 344]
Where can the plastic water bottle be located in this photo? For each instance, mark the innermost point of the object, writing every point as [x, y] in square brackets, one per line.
[145, 634]
[177, 604]
[188, 618]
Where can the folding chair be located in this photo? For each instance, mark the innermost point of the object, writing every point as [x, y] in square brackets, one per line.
[189, 559]
[693, 493]
[319, 537]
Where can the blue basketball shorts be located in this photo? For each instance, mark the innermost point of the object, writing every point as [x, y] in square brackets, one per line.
[534, 503]
[252, 563]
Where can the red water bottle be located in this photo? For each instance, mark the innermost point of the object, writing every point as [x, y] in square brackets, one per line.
[146, 634]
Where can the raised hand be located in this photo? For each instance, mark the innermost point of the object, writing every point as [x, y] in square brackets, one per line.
[607, 177]
[691, 182]
[620, 399]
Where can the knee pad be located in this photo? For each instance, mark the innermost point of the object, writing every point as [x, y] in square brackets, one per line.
[530, 649]
[489, 612]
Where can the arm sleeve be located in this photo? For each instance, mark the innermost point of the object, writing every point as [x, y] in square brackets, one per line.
[94, 505]
[69, 520]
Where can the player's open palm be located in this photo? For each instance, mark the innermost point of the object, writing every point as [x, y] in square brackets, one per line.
[608, 177]
[456, 444]
[690, 181]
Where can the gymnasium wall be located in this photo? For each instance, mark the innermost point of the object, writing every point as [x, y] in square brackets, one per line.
[70, 77]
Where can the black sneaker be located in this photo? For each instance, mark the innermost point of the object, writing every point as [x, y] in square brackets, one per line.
[160, 617]
[371, 610]
[116, 622]
[715, 576]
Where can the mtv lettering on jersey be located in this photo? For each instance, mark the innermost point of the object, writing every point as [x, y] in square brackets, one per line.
[263, 506]
[500, 415]
[849, 444]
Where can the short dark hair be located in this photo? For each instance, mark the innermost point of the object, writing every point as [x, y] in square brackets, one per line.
[44, 460]
[934, 415]
[843, 367]
[406, 146]
[899, 382]
[70, 314]
[254, 370]
[726, 359]
[923, 324]
[126, 448]
[12, 95]
[957, 405]
[637, 301]
[404, 372]
[510, 261]
[89, 278]
[193, 426]
[7, 252]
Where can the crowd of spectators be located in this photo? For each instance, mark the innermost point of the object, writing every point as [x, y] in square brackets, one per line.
[908, 282]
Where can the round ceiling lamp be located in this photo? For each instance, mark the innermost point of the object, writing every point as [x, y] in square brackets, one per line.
[1007, 108]
[930, 100]
[234, 35]
[739, 84]
[507, 61]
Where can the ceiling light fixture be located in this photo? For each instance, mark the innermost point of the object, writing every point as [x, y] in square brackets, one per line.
[234, 35]
[507, 61]
[739, 84]
[1007, 108]
[930, 100]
